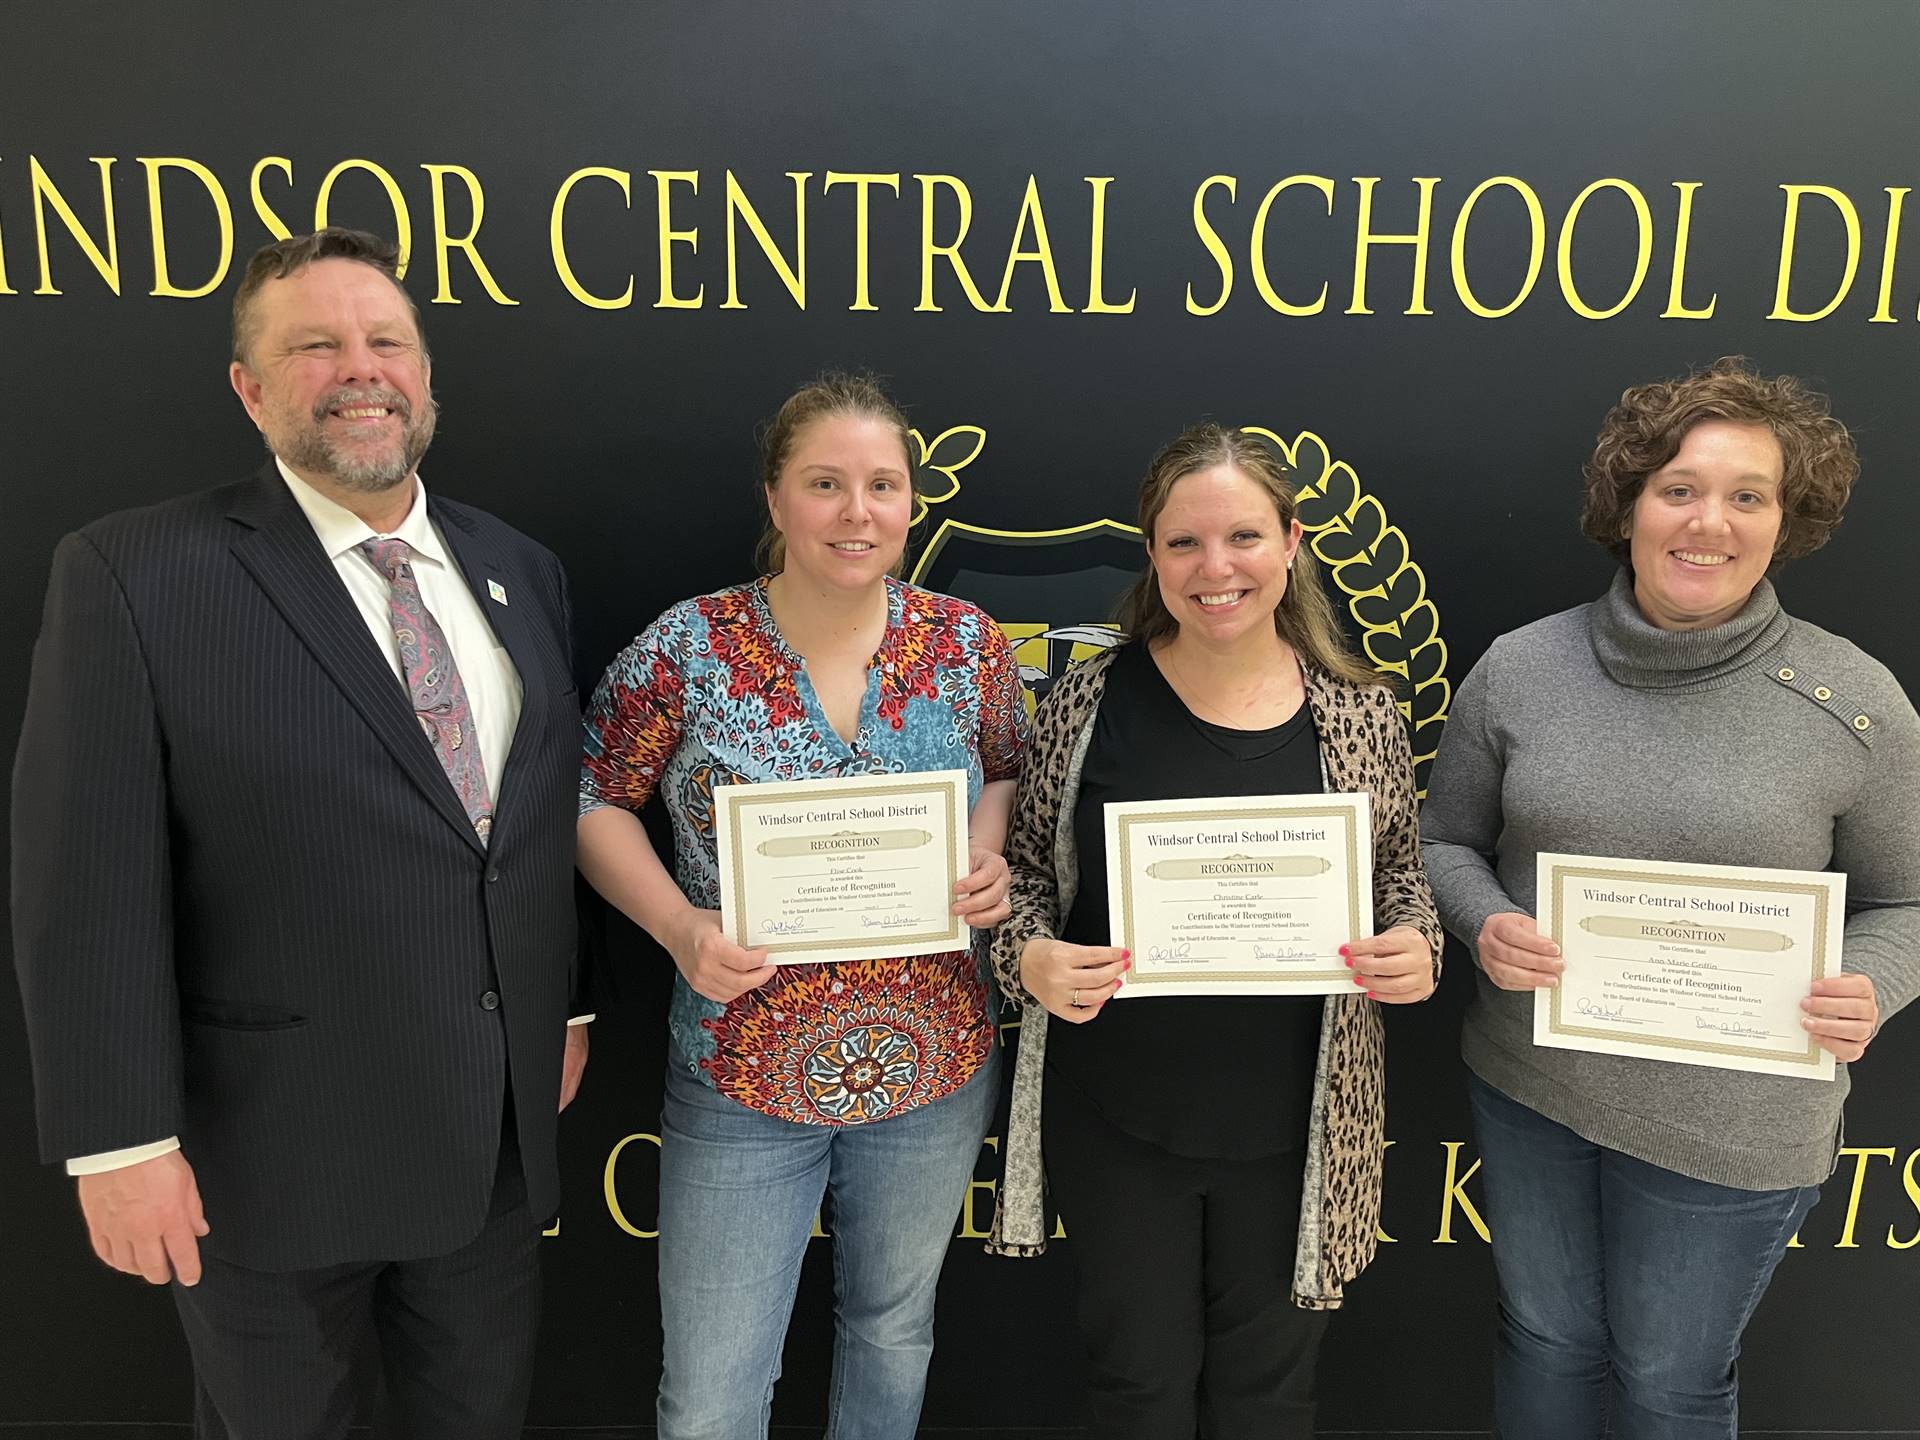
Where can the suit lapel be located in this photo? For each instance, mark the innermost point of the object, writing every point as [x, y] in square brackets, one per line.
[483, 566]
[273, 540]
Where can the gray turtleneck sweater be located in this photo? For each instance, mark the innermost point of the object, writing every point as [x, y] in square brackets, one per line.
[1764, 741]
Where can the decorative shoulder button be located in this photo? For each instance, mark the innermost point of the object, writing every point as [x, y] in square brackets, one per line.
[1822, 693]
[1785, 672]
[1861, 722]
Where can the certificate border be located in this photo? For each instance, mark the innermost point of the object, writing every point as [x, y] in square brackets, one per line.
[1820, 894]
[904, 785]
[1348, 812]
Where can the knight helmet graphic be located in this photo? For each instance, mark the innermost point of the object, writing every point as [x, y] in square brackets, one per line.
[1054, 592]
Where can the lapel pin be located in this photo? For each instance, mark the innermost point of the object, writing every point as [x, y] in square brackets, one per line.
[497, 591]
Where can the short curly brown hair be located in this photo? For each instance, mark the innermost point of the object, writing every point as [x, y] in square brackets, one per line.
[1818, 463]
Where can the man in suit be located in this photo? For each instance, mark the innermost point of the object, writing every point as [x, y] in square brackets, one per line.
[293, 836]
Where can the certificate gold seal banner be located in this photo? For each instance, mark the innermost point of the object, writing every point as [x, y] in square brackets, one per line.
[861, 868]
[1697, 964]
[1243, 895]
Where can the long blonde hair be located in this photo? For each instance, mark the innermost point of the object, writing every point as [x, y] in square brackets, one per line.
[1305, 617]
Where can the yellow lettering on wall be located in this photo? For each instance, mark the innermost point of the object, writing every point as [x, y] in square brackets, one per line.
[930, 186]
[1677, 308]
[1883, 312]
[793, 276]
[665, 180]
[1365, 239]
[1910, 1180]
[45, 193]
[276, 227]
[612, 1191]
[162, 280]
[556, 236]
[1258, 246]
[1097, 303]
[1216, 247]
[970, 1226]
[1041, 254]
[1861, 1155]
[1643, 215]
[5, 289]
[1456, 1193]
[402, 219]
[861, 183]
[1789, 235]
[1536, 247]
[444, 243]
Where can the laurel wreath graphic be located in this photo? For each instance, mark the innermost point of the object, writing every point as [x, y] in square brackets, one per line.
[1371, 563]
[1367, 558]
[952, 450]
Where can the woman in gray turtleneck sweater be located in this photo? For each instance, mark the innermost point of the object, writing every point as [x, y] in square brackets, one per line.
[1639, 1207]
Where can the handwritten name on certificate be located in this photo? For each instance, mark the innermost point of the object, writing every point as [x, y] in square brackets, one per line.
[1700, 964]
[1239, 896]
[861, 868]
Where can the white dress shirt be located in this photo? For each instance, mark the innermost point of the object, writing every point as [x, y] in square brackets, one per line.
[486, 670]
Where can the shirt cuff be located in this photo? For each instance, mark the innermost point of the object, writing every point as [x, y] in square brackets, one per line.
[582, 1020]
[119, 1159]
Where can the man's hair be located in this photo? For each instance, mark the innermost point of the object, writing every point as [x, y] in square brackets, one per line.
[294, 254]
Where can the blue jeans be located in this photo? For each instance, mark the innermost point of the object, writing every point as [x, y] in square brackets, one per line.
[738, 1193]
[1624, 1286]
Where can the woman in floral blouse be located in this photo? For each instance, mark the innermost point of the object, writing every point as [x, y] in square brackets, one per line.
[869, 1082]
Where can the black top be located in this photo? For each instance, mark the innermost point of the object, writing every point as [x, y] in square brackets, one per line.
[1228, 1077]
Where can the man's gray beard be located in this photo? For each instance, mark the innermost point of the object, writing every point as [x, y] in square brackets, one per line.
[313, 454]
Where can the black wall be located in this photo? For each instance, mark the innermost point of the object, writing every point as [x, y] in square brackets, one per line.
[623, 438]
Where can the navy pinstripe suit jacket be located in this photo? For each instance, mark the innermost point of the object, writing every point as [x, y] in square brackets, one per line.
[249, 909]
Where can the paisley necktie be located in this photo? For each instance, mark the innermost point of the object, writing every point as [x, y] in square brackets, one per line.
[439, 699]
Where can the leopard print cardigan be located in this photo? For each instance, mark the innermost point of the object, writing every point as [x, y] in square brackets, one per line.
[1363, 746]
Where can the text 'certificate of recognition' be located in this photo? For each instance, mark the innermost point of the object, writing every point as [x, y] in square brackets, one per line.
[1702, 964]
[1239, 896]
[856, 869]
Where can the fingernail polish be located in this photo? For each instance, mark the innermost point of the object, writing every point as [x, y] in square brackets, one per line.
[1360, 982]
[1343, 949]
[1126, 954]
[1347, 962]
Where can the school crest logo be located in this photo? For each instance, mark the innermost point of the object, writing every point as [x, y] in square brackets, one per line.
[1054, 591]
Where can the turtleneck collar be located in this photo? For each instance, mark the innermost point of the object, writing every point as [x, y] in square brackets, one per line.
[1639, 654]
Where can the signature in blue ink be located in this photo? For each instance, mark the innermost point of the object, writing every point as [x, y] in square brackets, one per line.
[1285, 952]
[1727, 1027]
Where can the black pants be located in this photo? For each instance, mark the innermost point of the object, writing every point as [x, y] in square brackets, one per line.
[1184, 1268]
[274, 1354]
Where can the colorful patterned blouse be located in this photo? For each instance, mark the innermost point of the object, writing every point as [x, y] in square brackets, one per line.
[711, 694]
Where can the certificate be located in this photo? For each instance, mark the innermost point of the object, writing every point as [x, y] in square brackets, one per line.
[1700, 964]
[855, 869]
[1239, 896]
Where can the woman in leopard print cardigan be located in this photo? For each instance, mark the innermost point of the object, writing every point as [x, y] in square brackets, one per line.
[1362, 746]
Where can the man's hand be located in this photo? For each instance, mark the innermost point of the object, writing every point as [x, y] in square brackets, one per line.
[145, 1219]
[573, 1064]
